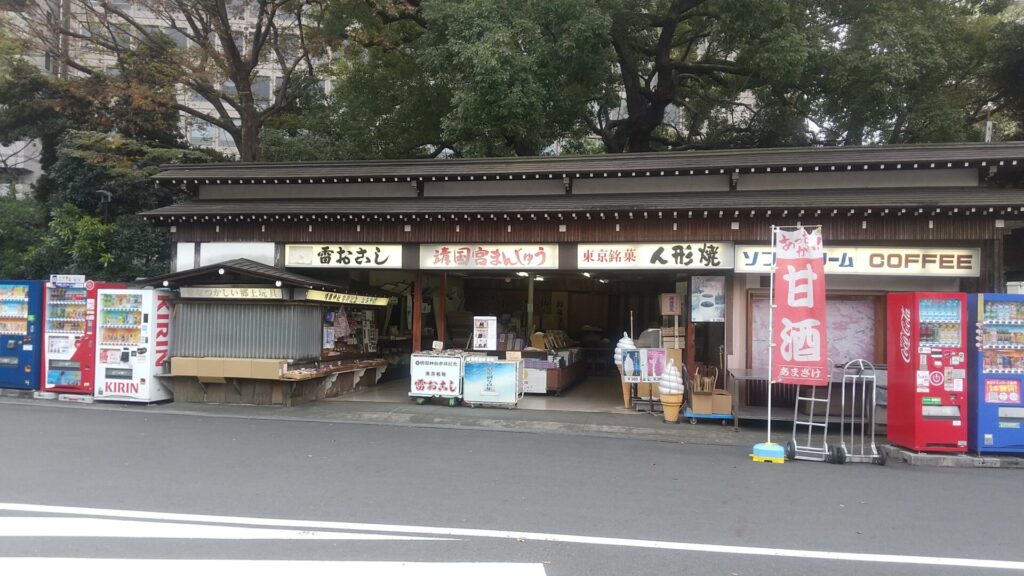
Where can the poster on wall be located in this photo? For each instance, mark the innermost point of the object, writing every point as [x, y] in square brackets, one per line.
[631, 366]
[485, 332]
[799, 336]
[707, 301]
[652, 364]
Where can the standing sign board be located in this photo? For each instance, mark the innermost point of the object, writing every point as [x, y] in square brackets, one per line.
[799, 340]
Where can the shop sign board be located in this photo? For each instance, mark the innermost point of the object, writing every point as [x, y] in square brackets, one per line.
[707, 301]
[435, 375]
[67, 280]
[492, 382]
[231, 292]
[343, 255]
[489, 256]
[668, 255]
[341, 298]
[632, 367]
[799, 340]
[671, 305]
[875, 261]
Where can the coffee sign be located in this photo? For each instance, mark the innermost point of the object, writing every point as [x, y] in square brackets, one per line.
[875, 261]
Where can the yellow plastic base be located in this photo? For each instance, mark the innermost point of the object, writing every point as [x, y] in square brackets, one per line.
[757, 458]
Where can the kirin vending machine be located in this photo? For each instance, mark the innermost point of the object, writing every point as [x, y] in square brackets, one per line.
[133, 342]
[996, 373]
[927, 359]
[70, 333]
[20, 333]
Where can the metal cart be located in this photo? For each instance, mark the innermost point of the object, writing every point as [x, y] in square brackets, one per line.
[807, 429]
[857, 421]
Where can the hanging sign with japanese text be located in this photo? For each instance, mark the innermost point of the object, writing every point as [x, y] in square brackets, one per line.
[876, 261]
[341, 298]
[343, 255]
[489, 256]
[232, 292]
[668, 255]
[799, 339]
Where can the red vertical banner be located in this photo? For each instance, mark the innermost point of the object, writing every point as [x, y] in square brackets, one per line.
[799, 339]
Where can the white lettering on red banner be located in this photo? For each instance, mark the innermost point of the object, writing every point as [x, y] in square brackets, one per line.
[798, 328]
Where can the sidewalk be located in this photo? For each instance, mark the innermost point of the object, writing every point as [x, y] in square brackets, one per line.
[632, 426]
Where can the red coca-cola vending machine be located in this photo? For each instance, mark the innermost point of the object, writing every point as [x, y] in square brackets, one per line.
[927, 376]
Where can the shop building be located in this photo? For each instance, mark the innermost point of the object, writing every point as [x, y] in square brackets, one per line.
[587, 245]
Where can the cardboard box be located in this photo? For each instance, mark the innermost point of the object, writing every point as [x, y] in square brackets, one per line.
[672, 331]
[673, 342]
[237, 368]
[721, 402]
[535, 381]
[182, 366]
[702, 403]
[268, 369]
[676, 356]
[210, 367]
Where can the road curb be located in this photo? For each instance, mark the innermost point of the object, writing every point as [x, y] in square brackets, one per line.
[951, 460]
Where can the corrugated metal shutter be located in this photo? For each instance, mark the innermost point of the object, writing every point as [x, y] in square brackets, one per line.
[246, 330]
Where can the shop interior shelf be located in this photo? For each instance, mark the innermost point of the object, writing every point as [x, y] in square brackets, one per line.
[66, 331]
[13, 299]
[120, 308]
[940, 320]
[1002, 323]
[13, 317]
[119, 325]
[1003, 347]
[68, 302]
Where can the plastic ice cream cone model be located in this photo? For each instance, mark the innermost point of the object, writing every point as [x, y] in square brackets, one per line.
[671, 388]
[625, 366]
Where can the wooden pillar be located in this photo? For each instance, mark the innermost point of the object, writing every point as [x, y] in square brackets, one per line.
[442, 306]
[529, 310]
[417, 312]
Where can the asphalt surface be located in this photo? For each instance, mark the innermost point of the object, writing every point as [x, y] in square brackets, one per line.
[576, 487]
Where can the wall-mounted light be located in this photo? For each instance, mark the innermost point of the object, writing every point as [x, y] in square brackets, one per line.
[166, 283]
[587, 274]
[603, 280]
[220, 271]
[538, 278]
[523, 274]
[277, 283]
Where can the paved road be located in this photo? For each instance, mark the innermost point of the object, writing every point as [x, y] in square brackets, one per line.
[202, 489]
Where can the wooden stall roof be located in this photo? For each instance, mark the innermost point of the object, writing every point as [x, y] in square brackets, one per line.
[910, 198]
[239, 267]
[611, 165]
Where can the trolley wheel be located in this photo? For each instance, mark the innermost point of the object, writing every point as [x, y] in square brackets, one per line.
[837, 455]
[693, 420]
[880, 459]
[453, 402]
[790, 450]
[725, 422]
[420, 400]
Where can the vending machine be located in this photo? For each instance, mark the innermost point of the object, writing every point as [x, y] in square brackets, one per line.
[133, 341]
[70, 333]
[927, 375]
[996, 409]
[20, 333]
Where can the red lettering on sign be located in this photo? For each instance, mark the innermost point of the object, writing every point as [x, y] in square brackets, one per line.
[120, 388]
[162, 342]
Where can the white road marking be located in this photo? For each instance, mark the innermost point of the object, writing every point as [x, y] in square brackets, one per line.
[126, 567]
[51, 526]
[531, 536]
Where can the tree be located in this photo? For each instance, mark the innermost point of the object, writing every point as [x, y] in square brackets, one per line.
[142, 53]
[895, 71]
